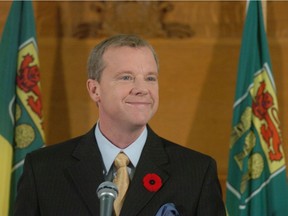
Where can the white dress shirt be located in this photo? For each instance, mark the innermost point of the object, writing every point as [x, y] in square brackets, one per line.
[110, 151]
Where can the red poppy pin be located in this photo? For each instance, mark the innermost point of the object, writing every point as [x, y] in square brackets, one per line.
[152, 182]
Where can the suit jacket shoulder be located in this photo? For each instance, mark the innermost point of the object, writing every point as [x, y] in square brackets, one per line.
[61, 179]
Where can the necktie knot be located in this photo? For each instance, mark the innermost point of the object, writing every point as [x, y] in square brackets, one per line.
[121, 160]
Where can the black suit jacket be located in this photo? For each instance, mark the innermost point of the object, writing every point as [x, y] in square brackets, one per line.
[62, 180]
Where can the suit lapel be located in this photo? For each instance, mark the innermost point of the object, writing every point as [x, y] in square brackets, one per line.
[87, 173]
[152, 160]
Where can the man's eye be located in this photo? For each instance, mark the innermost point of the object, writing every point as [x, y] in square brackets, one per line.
[126, 78]
[152, 78]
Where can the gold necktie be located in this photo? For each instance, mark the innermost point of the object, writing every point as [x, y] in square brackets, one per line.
[121, 180]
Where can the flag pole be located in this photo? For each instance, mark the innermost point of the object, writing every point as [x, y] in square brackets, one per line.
[264, 11]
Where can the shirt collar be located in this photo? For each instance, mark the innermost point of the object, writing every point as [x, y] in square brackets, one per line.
[110, 151]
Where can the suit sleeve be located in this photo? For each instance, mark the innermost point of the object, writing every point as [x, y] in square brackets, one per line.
[211, 202]
[26, 203]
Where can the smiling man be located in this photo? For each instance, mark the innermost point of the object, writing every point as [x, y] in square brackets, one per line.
[154, 176]
[126, 93]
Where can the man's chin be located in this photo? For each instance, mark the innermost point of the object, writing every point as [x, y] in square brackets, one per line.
[139, 125]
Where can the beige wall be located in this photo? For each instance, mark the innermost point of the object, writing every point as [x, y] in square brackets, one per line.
[198, 45]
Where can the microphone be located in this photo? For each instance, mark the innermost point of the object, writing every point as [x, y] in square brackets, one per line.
[107, 193]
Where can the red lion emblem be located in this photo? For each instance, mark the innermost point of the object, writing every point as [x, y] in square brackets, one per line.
[27, 80]
[263, 102]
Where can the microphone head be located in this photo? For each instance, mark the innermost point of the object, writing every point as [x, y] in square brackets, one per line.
[107, 188]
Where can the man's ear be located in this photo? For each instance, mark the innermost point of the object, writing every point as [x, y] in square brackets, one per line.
[93, 89]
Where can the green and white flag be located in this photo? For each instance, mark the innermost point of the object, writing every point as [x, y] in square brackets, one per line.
[21, 124]
[256, 183]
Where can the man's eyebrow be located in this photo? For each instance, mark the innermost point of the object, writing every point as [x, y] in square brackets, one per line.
[153, 73]
[124, 72]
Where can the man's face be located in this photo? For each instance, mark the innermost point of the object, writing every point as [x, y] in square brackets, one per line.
[128, 89]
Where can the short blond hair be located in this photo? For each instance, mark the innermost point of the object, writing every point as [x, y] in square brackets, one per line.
[96, 65]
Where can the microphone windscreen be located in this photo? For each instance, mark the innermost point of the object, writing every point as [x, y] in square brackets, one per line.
[107, 188]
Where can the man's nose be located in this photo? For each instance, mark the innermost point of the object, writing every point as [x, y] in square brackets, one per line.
[140, 87]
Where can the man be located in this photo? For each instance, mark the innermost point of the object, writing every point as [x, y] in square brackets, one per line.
[63, 179]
